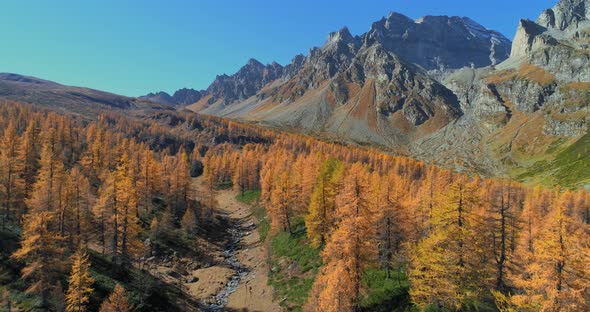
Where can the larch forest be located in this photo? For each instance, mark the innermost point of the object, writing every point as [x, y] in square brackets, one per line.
[361, 177]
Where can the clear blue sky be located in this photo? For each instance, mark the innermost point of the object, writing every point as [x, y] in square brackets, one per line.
[134, 47]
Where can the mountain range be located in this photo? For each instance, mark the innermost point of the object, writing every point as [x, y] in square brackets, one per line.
[442, 89]
[380, 87]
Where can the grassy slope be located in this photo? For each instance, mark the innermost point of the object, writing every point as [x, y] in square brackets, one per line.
[386, 294]
[294, 266]
[521, 144]
[568, 166]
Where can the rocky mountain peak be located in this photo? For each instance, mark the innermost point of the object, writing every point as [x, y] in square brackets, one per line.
[291, 69]
[257, 71]
[395, 24]
[343, 35]
[181, 97]
[340, 44]
[252, 64]
[566, 14]
[439, 42]
[524, 40]
[558, 41]
[159, 93]
[160, 97]
[245, 83]
[186, 96]
[394, 20]
[275, 67]
[299, 58]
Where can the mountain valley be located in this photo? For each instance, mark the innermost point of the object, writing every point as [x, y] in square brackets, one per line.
[428, 164]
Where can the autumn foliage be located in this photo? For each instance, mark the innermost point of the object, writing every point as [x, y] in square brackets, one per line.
[461, 240]
[67, 182]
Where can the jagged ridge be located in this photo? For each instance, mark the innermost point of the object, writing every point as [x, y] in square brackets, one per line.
[372, 88]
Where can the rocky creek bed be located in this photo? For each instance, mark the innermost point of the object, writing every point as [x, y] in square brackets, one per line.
[220, 300]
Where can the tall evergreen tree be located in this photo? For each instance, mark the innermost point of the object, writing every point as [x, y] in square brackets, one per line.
[105, 215]
[189, 222]
[80, 283]
[12, 167]
[46, 194]
[322, 207]
[282, 203]
[351, 247]
[126, 202]
[30, 153]
[444, 269]
[42, 253]
[556, 276]
[500, 217]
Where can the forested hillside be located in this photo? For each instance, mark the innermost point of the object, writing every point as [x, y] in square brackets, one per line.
[393, 232]
[80, 199]
[86, 201]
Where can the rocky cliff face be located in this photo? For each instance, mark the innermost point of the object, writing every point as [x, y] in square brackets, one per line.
[227, 89]
[566, 15]
[244, 84]
[440, 42]
[374, 96]
[558, 41]
[547, 57]
[527, 104]
[558, 46]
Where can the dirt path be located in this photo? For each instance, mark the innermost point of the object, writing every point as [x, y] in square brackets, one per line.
[244, 267]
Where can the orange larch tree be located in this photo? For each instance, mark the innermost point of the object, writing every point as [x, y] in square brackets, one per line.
[118, 301]
[126, 207]
[42, 254]
[556, 276]
[500, 203]
[321, 215]
[351, 247]
[106, 217]
[78, 204]
[12, 167]
[30, 152]
[445, 267]
[282, 201]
